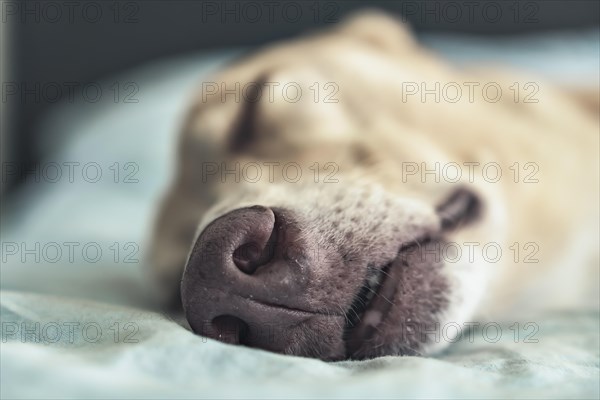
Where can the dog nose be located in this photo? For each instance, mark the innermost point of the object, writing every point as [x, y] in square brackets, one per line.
[241, 285]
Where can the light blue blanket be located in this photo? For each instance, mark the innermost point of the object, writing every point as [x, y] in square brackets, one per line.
[95, 340]
[90, 349]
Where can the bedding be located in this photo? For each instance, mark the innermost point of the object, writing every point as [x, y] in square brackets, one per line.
[154, 357]
[75, 304]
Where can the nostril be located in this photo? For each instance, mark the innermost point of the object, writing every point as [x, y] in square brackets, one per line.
[246, 257]
[230, 329]
[249, 256]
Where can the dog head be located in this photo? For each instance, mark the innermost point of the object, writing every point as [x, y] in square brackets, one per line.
[315, 242]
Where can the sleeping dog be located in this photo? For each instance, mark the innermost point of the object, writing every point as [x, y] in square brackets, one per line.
[347, 194]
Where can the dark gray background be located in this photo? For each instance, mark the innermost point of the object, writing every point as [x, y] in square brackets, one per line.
[84, 46]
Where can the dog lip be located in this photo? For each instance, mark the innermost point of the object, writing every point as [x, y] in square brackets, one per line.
[375, 311]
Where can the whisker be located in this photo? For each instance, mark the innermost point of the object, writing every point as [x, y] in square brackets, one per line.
[380, 295]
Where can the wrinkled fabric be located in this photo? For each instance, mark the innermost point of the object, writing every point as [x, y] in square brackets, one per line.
[119, 352]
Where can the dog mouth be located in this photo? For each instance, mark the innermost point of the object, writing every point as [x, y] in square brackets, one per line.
[374, 300]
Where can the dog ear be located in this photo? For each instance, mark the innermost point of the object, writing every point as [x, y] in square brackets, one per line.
[462, 207]
[246, 123]
[380, 29]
